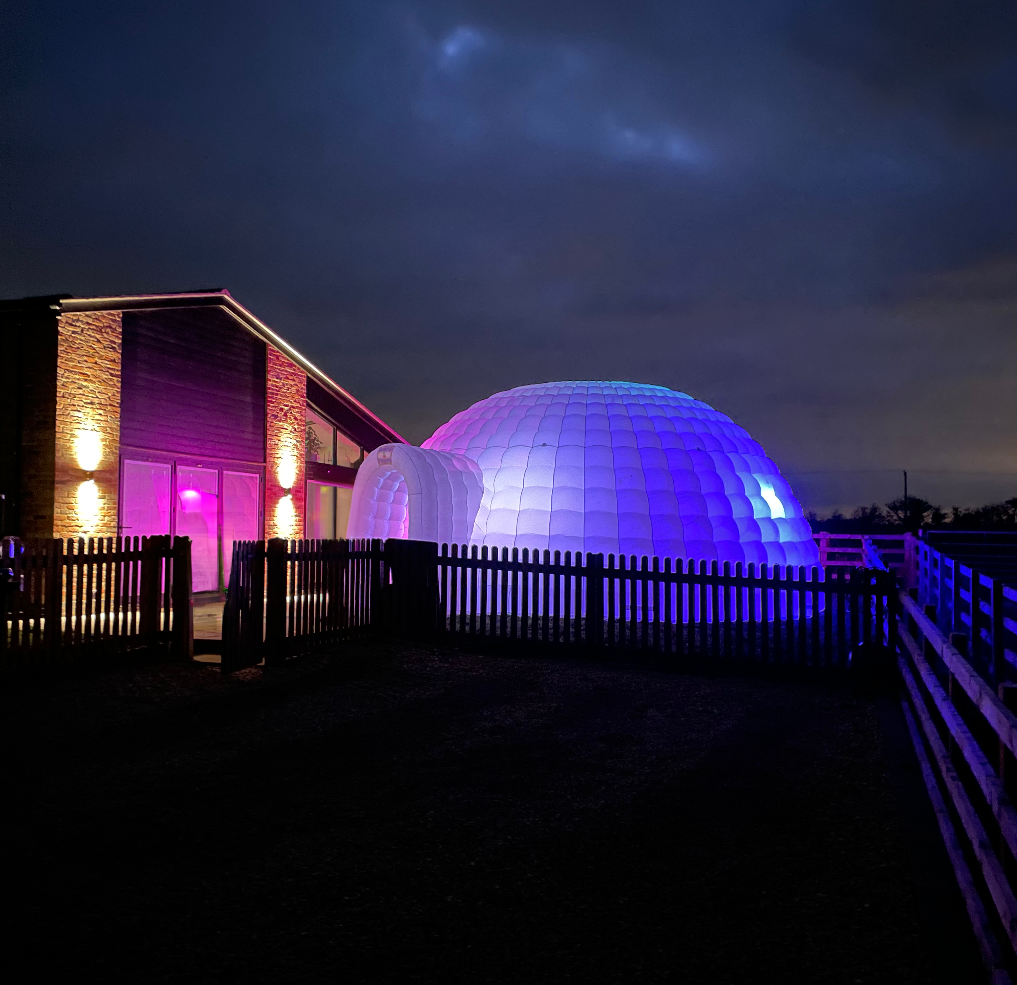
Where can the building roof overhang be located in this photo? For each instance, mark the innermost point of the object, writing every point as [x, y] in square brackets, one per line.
[218, 297]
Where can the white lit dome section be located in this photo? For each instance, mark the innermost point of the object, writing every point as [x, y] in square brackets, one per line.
[601, 467]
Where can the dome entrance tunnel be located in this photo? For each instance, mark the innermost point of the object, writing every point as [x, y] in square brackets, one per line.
[598, 467]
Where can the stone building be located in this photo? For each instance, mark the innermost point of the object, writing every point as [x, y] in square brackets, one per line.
[178, 414]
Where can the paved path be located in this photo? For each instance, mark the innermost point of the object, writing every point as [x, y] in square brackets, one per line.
[394, 815]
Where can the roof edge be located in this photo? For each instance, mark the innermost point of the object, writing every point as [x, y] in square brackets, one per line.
[223, 299]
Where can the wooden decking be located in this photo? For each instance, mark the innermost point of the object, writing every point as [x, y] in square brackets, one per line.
[208, 619]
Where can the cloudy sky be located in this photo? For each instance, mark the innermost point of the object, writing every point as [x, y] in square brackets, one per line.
[802, 213]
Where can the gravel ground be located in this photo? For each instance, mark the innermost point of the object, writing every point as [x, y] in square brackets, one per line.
[391, 814]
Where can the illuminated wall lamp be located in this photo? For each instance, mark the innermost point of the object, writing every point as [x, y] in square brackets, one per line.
[88, 450]
[287, 471]
[89, 505]
[286, 516]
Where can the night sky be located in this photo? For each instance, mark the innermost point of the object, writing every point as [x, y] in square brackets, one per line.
[802, 213]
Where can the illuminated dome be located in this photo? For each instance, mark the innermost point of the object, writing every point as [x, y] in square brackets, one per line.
[604, 467]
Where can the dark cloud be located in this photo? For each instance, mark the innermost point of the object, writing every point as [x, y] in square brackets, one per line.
[954, 59]
[800, 213]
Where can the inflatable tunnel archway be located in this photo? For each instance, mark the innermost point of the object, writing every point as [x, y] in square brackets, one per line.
[416, 493]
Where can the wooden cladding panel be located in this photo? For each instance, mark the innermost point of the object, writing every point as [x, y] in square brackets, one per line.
[193, 384]
[28, 354]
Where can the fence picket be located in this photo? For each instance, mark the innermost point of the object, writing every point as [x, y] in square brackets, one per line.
[74, 597]
[103, 594]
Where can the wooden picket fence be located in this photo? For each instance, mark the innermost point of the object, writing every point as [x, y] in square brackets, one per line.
[285, 597]
[85, 599]
[789, 615]
[288, 596]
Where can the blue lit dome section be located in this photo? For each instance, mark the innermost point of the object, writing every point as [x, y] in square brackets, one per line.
[602, 467]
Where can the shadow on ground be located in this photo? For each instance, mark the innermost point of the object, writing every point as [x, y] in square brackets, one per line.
[389, 814]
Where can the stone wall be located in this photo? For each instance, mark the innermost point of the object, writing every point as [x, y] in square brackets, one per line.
[286, 412]
[87, 424]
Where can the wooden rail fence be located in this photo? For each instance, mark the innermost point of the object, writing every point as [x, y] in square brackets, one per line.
[898, 552]
[965, 736]
[973, 592]
[84, 599]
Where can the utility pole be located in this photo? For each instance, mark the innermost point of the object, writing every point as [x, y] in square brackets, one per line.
[906, 510]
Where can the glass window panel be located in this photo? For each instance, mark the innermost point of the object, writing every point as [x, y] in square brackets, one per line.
[241, 499]
[320, 511]
[197, 512]
[145, 499]
[344, 497]
[320, 439]
[348, 452]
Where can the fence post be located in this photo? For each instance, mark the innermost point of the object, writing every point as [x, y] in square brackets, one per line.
[999, 664]
[594, 600]
[892, 614]
[275, 603]
[378, 578]
[255, 630]
[54, 597]
[910, 560]
[231, 612]
[337, 597]
[425, 578]
[182, 640]
[148, 603]
[392, 588]
[429, 558]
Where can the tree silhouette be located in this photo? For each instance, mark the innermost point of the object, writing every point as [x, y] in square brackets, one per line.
[914, 512]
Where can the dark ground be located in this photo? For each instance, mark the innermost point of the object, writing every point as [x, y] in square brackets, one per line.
[398, 815]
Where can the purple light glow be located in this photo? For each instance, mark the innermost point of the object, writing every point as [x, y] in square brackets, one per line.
[605, 467]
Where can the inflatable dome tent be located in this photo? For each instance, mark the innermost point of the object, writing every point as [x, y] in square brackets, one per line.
[604, 467]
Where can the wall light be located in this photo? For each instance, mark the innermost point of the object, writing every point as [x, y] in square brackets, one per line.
[89, 505]
[285, 517]
[88, 449]
[287, 469]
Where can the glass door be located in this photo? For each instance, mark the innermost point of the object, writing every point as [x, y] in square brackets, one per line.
[241, 513]
[197, 517]
[214, 506]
